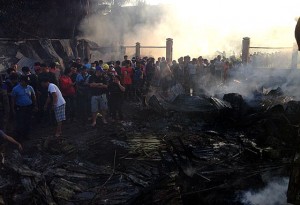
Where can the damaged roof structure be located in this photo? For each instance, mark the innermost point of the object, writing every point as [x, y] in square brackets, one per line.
[27, 52]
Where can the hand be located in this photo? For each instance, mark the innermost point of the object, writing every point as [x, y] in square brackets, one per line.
[20, 147]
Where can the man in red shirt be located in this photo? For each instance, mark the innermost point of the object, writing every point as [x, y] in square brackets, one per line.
[67, 88]
[127, 75]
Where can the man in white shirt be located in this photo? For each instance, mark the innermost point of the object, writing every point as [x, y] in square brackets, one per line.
[58, 103]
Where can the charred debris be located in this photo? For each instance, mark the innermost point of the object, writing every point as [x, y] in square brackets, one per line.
[179, 149]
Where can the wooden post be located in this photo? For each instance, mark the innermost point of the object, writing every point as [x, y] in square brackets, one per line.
[122, 52]
[138, 49]
[87, 50]
[169, 50]
[245, 50]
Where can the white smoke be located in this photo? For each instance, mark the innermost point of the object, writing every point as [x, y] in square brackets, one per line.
[201, 28]
[273, 194]
[197, 27]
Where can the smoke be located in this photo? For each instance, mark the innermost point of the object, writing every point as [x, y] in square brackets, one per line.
[273, 194]
[197, 27]
[202, 28]
[125, 26]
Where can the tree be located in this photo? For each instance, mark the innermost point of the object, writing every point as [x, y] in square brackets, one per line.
[48, 19]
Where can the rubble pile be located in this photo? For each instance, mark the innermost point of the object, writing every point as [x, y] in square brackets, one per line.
[179, 150]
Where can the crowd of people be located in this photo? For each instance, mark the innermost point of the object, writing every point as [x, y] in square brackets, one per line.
[86, 91]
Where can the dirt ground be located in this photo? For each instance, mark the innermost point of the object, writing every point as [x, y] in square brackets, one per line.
[149, 158]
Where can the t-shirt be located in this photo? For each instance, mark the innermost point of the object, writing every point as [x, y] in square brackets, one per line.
[98, 79]
[118, 70]
[192, 69]
[219, 65]
[127, 74]
[22, 95]
[52, 88]
[66, 86]
[115, 92]
[43, 90]
[88, 66]
[81, 84]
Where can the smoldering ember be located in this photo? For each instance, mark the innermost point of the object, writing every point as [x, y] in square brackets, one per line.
[83, 122]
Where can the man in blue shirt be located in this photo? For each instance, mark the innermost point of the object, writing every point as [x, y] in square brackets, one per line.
[23, 101]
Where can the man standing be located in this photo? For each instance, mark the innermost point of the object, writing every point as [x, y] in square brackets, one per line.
[219, 69]
[118, 67]
[116, 91]
[98, 88]
[23, 101]
[127, 74]
[124, 62]
[58, 104]
[31, 77]
[68, 91]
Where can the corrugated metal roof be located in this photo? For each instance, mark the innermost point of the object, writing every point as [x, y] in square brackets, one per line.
[24, 61]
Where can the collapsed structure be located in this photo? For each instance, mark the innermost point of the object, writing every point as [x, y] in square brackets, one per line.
[180, 149]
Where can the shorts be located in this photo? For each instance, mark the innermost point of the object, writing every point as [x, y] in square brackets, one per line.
[99, 103]
[60, 114]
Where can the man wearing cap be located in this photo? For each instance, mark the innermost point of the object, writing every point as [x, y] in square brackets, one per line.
[98, 88]
[23, 101]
